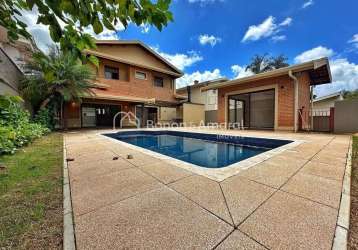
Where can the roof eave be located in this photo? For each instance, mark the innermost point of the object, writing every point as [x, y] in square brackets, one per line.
[108, 57]
[275, 73]
[137, 42]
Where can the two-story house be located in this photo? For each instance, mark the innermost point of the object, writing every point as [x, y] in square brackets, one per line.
[131, 77]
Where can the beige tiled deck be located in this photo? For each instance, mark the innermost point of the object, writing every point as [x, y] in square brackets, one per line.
[289, 201]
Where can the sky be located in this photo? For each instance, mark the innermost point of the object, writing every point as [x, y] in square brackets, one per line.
[209, 39]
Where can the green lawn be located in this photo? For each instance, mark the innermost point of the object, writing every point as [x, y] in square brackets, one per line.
[353, 230]
[31, 214]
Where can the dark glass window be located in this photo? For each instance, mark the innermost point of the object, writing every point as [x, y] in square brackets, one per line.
[140, 75]
[158, 81]
[111, 73]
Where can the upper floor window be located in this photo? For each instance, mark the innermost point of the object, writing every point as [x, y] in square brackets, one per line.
[111, 72]
[158, 81]
[140, 75]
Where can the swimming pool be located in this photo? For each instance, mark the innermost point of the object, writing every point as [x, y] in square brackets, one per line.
[204, 150]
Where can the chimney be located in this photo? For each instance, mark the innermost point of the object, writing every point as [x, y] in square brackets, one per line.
[196, 82]
[188, 89]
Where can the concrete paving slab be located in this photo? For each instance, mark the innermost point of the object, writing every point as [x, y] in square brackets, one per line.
[290, 222]
[96, 156]
[244, 196]
[95, 169]
[159, 219]
[324, 170]
[274, 172]
[140, 159]
[316, 188]
[325, 157]
[94, 193]
[165, 172]
[299, 154]
[207, 193]
[238, 240]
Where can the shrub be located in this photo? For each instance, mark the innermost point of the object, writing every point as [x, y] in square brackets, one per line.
[16, 129]
[45, 117]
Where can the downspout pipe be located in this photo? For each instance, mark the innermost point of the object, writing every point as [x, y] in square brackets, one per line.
[295, 82]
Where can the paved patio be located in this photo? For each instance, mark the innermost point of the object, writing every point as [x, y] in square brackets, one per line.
[289, 201]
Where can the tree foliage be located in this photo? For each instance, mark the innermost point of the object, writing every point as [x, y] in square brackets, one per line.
[264, 63]
[351, 95]
[57, 76]
[66, 19]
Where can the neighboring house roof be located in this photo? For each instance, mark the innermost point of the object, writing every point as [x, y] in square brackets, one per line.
[202, 84]
[333, 95]
[319, 72]
[175, 71]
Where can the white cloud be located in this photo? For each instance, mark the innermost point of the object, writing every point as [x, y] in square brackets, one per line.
[354, 41]
[344, 73]
[344, 76]
[106, 34]
[181, 61]
[267, 28]
[314, 53]
[240, 71]
[188, 79]
[307, 4]
[206, 39]
[39, 32]
[286, 22]
[278, 38]
[145, 28]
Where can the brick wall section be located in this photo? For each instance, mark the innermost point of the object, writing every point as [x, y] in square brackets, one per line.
[128, 85]
[304, 91]
[285, 98]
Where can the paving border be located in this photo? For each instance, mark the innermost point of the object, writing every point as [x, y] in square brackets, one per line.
[69, 240]
[342, 227]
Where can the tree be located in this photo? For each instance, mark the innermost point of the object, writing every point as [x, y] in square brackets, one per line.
[67, 19]
[263, 63]
[351, 95]
[278, 62]
[58, 77]
[259, 64]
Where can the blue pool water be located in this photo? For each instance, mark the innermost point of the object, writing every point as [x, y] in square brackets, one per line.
[204, 150]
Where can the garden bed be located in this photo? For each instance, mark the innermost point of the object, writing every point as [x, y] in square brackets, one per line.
[31, 208]
[353, 228]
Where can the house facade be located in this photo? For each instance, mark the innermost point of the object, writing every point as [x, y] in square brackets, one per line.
[131, 77]
[325, 103]
[13, 58]
[208, 99]
[270, 100]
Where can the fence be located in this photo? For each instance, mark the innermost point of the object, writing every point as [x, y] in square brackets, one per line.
[316, 120]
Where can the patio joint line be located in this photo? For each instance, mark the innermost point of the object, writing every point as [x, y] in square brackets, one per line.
[217, 216]
[223, 239]
[227, 206]
[115, 202]
[279, 189]
[258, 242]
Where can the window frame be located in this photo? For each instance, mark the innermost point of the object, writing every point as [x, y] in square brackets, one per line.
[140, 72]
[154, 82]
[113, 68]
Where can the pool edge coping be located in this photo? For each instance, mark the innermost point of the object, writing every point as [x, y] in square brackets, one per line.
[340, 240]
[219, 174]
